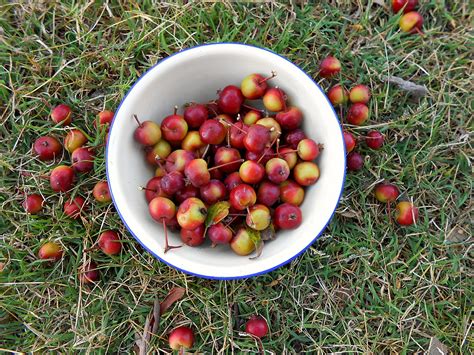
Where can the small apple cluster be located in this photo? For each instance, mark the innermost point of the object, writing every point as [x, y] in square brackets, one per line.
[61, 178]
[411, 21]
[357, 114]
[236, 173]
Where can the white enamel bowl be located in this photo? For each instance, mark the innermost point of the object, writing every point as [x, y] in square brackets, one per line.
[195, 75]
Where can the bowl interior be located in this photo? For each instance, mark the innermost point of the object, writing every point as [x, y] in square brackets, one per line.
[196, 75]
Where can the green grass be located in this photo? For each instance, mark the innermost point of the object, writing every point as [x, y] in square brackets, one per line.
[366, 286]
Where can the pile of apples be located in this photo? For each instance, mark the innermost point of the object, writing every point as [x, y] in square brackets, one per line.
[229, 171]
[358, 112]
[411, 21]
[62, 178]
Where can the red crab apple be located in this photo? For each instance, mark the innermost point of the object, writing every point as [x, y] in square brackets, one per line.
[193, 237]
[406, 213]
[268, 193]
[101, 192]
[174, 128]
[47, 148]
[242, 196]
[105, 117]
[187, 192]
[73, 207]
[195, 115]
[251, 172]
[289, 155]
[251, 117]
[61, 178]
[374, 140]
[254, 86]
[33, 203]
[89, 273]
[329, 67]
[237, 133]
[411, 22]
[358, 113]
[219, 234]
[291, 192]
[272, 125]
[213, 191]
[172, 182]
[163, 210]
[261, 157]
[406, 5]
[290, 119]
[308, 149]
[287, 216]
[306, 173]
[232, 180]
[242, 243]
[359, 94]
[338, 95]
[274, 100]
[230, 100]
[109, 243]
[257, 326]
[191, 213]
[82, 160]
[50, 251]
[181, 338]
[257, 138]
[386, 192]
[178, 160]
[74, 139]
[159, 151]
[355, 161]
[147, 133]
[258, 217]
[349, 141]
[212, 132]
[153, 189]
[294, 137]
[224, 156]
[277, 170]
[61, 114]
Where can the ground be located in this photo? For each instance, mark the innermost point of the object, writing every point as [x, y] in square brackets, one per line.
[365, 286]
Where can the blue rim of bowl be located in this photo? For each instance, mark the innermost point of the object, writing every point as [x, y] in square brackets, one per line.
[242, 276]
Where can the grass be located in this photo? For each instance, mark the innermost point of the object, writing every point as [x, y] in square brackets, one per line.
[366, 286]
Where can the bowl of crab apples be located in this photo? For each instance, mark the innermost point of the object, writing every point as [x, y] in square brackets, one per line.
[225, 161]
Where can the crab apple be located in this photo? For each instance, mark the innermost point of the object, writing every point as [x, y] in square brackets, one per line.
[105, 117]
[33, 203]
[359, 94]
[197, 172]
[349, 141]
[290, 119]
[272, 125]
[308, 149]
[178, 160]
[406, 213]
[153, 189]
[261, 157]
[277, 170]
[358, 113]
[101, 192]
[237, 133]
[411, 22]
[109, 243]
[258, 217]
[187, 192]
[74, 139]
[174, 128]
[287, 216]
[374, 140]
[61, 114]
[242, 244]
[61, 178]
[224, 156]
[162, 208]
[385, 192]
[251, 117]
[212, 132]
[242, 196]
[338, 95]
[147, 133]
[257, 326]
[160, 150]
[216, 174]
[291, 192]
[274, 100]
[251, 172]
[191, 213]
[219, 234]
[289, 155]
[50, 251]
[47, 148]
[306, 173]
[73, 207]
[225, 119]
[181, 338]
[406, 5]
[213, 191]
[193, 237]
[232, 180]
[257, 138]
[355, 161]
[294, 137]
[230, 100]
[329, 67]
[268, 193]
[192, 142]
[89, 273]
[195, 115]
[172, 182]
[82, 160]
[254, 86]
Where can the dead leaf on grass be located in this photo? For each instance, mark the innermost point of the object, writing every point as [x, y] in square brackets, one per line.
[437, 348]
[457, 235]
[415, 90]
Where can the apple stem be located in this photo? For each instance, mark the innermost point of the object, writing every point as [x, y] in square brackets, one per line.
[252, 108]
[269, 147]
[228, 163]
[250, 216]
[145, 188]
[224, 122]
[167, 246]
[205, 151]
[228, 138]
[175, 110]
[237, 215]
[232, 220]
[268, 78]
[137, 120]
